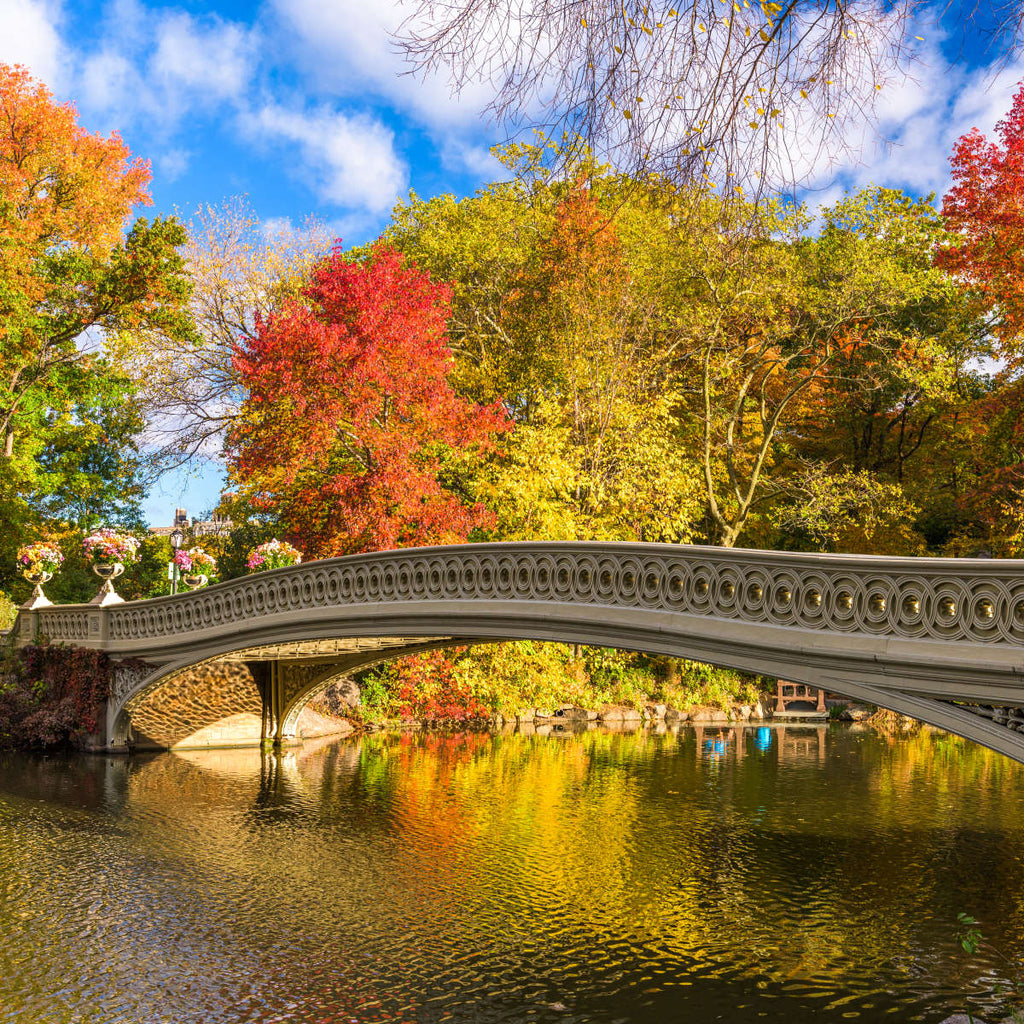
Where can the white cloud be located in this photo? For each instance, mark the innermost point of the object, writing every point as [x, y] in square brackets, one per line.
[154, 69]
[920, 119]
[350, 161]
[458, 155]
[173, 164]
[345, 46]
[213, 61]
[31, 37]
[107, 78]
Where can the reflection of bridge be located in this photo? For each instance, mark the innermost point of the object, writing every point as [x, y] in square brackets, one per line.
[938, 639]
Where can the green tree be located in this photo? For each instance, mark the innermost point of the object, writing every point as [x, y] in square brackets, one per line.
[787, 335]
[557, 312]
[70, 277]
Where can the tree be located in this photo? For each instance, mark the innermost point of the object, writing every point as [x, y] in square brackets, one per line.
[70, 276]
[557, 308]
[783, 325]
[585, 306]
[481, 247]
[350, 433]
[849, 511]
[674, 379]
[188, 387]
[753, 94]
[985, 207]
[68, 273]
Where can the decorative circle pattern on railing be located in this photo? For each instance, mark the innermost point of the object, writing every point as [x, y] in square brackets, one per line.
[935, 599]
[64, 624]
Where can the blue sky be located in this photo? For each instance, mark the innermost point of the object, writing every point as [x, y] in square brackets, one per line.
[301, 106]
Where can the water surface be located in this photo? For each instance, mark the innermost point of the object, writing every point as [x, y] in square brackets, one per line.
[741, 875]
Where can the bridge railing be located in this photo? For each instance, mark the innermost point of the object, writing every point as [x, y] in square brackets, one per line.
[978, 600]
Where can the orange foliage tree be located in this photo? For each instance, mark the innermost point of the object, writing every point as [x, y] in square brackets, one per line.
[350, 431]
[66, 265]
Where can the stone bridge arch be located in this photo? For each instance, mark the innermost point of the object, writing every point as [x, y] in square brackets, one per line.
[938, 639]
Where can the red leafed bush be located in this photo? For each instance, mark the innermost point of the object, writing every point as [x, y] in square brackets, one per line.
[426, 688]
[52, 696]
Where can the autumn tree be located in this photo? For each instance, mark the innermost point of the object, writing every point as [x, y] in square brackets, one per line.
[350, 433]
[556, 309]
[587, 303]
[679, 378]
[70, 275]
[981, 454]
[67, 266]
[985, 208]
[188, 387]
[788, 330]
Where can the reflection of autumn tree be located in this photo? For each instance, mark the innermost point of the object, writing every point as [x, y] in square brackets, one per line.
[604, 829]
[604, 859]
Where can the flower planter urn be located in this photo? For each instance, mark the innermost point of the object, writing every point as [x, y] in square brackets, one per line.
[107, 571]
[38, 598]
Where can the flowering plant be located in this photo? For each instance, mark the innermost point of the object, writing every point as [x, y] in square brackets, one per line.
[195, 562]
[40, 557]
[274, 554]
[107, 545]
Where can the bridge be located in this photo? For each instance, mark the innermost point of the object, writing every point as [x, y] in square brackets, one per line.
[937, 639]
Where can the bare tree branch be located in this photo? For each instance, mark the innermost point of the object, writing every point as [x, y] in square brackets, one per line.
[739, 94]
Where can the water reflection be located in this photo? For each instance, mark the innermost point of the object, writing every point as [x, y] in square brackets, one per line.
[749, 873]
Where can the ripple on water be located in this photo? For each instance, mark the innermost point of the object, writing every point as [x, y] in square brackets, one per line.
[726, 874]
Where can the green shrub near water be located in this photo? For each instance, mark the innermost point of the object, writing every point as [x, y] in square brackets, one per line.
[512, 677]
[694, 684]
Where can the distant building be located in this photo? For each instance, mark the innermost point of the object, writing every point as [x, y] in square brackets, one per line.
[215, 526]
[181, 522]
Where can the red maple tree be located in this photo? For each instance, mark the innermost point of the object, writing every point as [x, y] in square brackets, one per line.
[350, 420]
[985, 206]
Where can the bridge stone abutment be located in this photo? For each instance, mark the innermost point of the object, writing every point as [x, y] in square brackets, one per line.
[939, 639]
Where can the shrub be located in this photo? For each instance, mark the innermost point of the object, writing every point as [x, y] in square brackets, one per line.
[467, 684]
[425, 687]
[694, 684]
[51, 696]
[8, 611]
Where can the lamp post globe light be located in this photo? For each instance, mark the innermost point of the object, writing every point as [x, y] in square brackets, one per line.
[177, 539]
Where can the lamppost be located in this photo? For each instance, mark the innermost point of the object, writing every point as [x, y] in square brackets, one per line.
[177, 539]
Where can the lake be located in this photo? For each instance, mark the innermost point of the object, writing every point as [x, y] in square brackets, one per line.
[740, 874]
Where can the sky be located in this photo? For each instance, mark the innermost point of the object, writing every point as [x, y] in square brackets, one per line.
[303, 107]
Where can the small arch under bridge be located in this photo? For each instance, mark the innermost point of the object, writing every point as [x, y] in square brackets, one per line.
[941, 640]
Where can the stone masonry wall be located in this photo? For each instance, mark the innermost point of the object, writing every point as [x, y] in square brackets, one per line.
[213, 705]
